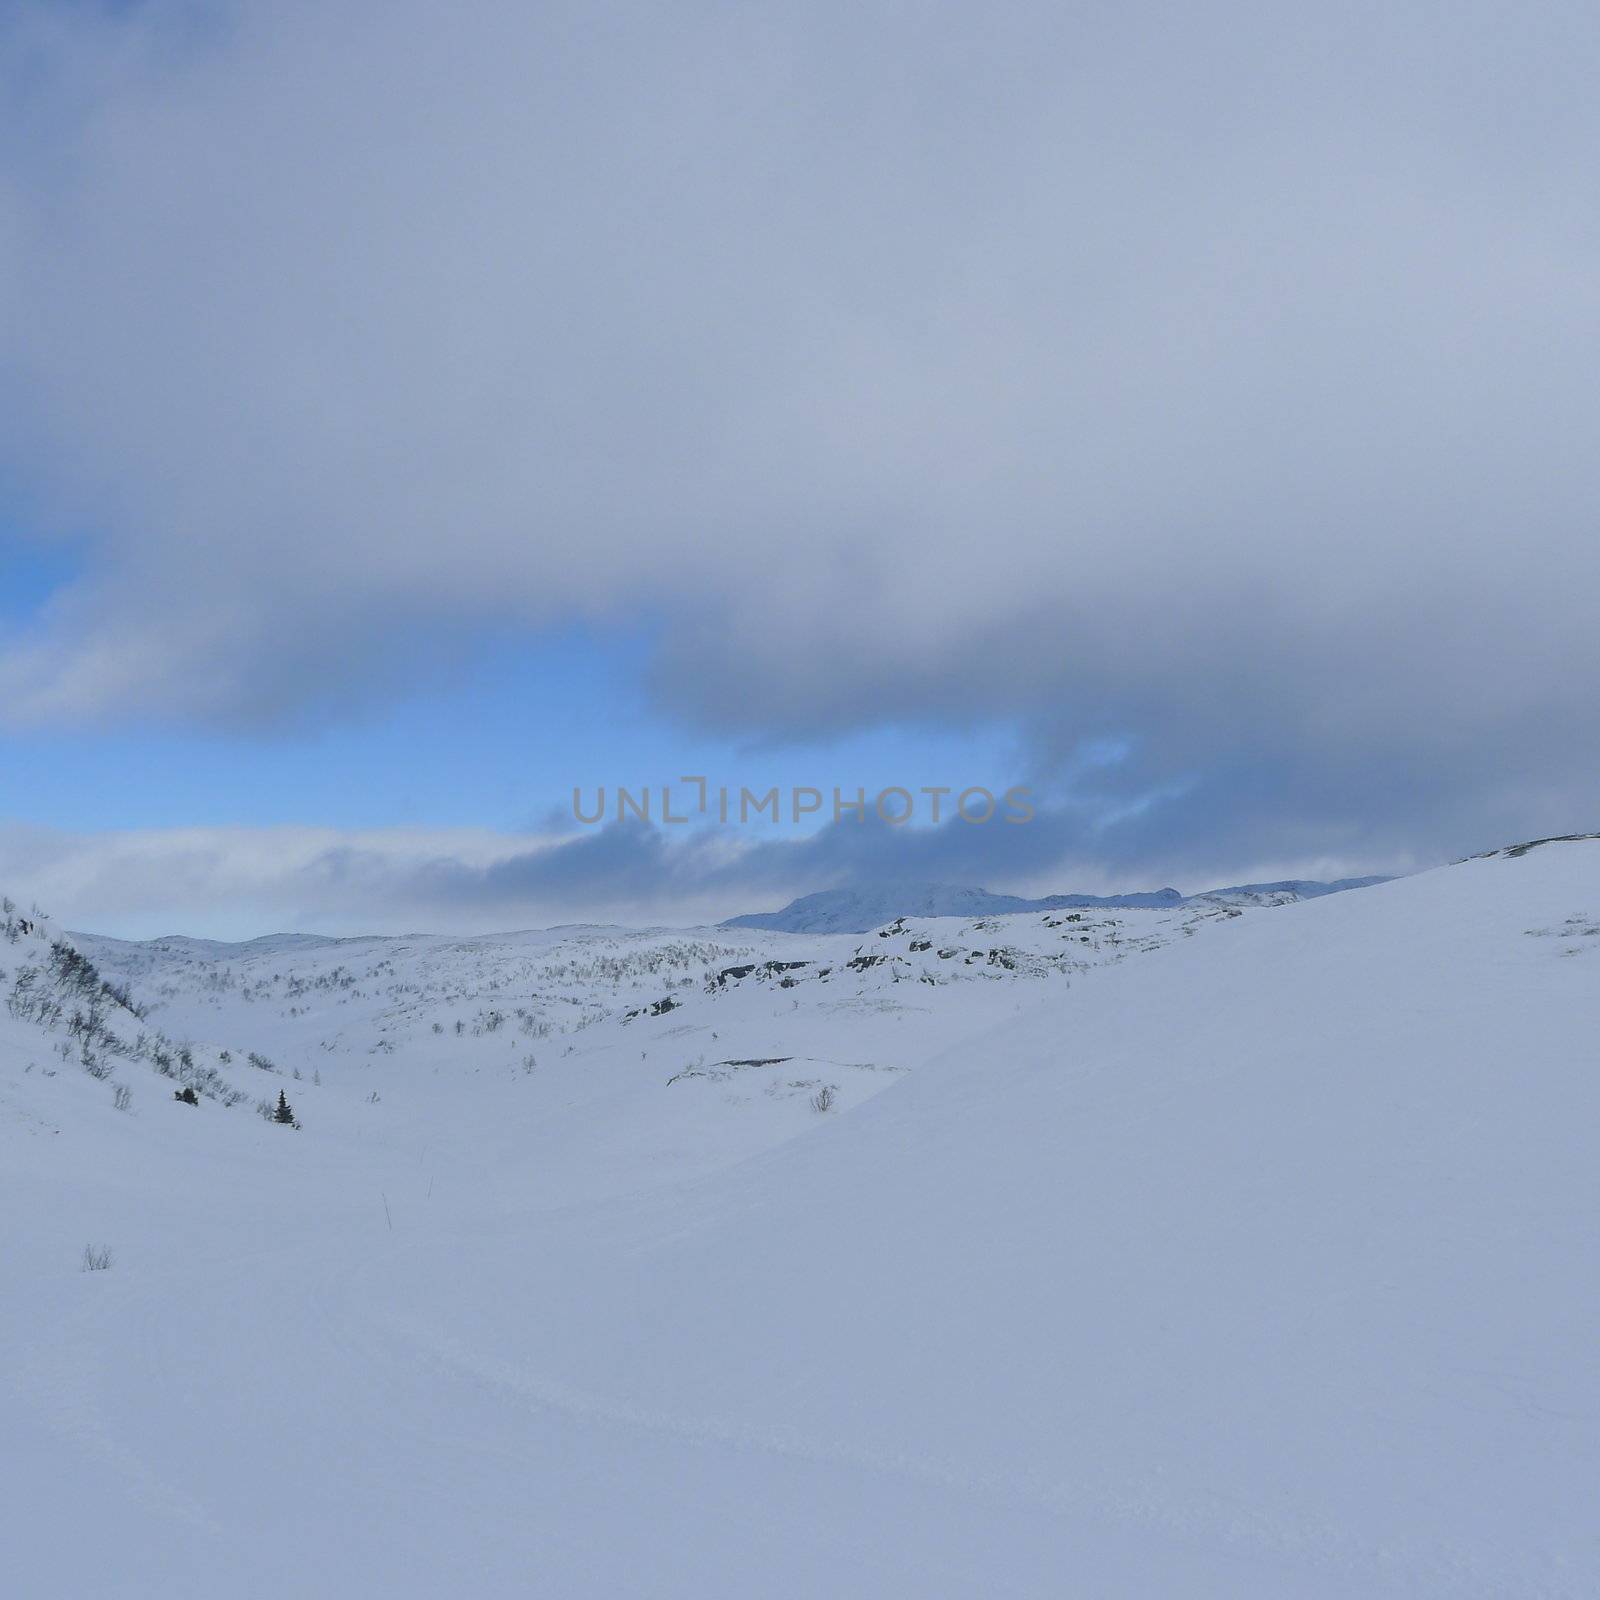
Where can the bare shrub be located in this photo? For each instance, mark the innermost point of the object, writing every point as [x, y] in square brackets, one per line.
[823, 1099]
[96, 1258]
[121, 1096]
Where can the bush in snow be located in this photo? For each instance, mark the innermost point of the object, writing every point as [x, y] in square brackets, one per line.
[96, 1258]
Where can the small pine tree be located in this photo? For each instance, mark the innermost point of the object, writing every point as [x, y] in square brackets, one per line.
[187, 1095]
[285, 1112]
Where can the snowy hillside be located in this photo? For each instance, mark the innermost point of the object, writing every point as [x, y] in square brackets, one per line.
[64, 1013]
[859, 910]
[1203, 1251]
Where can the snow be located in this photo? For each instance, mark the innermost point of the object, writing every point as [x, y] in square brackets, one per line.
[1196, 1252]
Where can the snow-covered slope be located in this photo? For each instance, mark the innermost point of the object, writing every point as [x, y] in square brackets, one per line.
[63, 1012]
[1207, 1252]
[861, 909]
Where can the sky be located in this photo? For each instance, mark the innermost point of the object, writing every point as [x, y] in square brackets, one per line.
[411, 414]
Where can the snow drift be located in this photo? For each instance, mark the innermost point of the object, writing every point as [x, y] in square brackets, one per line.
[1258, 1262]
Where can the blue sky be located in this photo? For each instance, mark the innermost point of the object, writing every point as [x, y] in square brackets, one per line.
[1187, 412]
[498, 743]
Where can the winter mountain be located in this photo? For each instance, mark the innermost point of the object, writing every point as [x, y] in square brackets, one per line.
[859, 910]
[1202, 1250]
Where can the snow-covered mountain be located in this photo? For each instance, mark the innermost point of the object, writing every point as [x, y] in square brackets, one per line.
[1202, 1251]
[858, 910]
[1282, 893]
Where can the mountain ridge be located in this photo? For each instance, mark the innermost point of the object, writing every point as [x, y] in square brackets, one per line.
[859, 910]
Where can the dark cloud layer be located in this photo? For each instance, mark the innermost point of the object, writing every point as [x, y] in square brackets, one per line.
[1218, 377]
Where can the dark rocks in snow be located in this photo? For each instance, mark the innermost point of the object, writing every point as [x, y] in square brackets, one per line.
[766, 969]
[656, 1008]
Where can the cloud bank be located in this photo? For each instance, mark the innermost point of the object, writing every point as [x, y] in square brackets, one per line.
[1216, 376]
[235, 883]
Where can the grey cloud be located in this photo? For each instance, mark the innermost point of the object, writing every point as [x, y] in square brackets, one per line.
[1219, 375]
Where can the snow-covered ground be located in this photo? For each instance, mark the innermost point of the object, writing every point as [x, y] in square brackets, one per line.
[1189, 1252]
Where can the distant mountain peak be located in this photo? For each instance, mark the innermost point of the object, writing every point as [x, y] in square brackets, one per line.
[867, 906]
